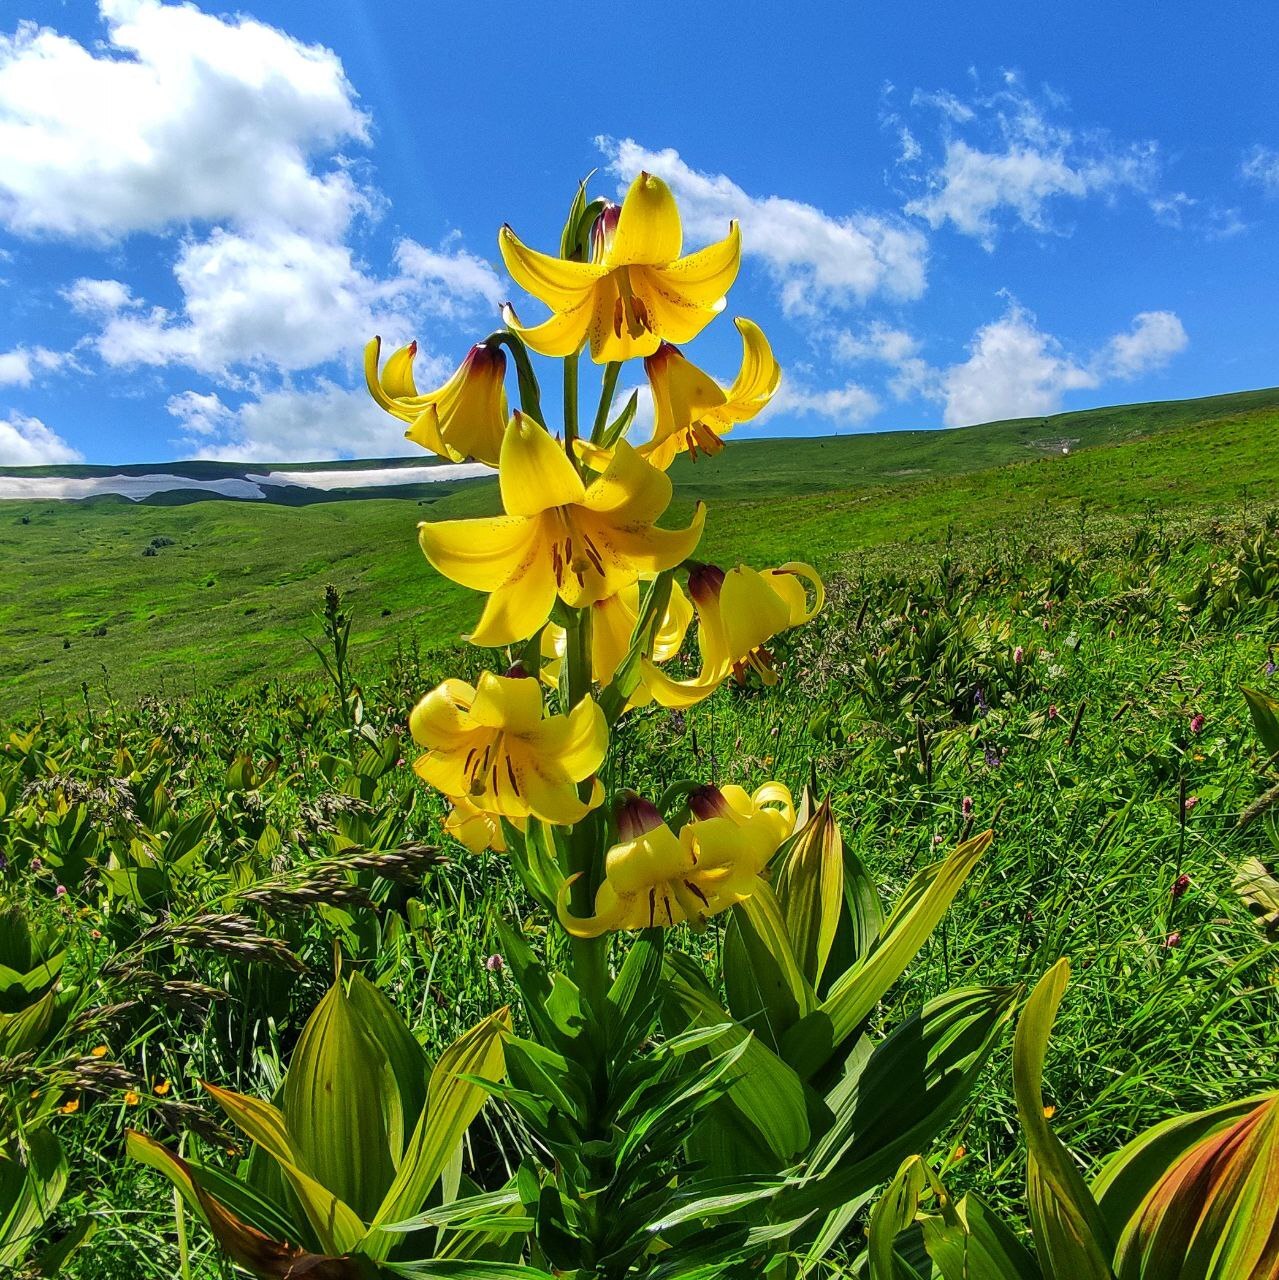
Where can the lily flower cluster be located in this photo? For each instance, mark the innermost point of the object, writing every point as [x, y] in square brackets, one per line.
[590, 589]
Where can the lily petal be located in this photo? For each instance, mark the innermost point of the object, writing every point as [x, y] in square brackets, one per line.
[482, 554]
[559, 283]
[648, 228]
[535, 473]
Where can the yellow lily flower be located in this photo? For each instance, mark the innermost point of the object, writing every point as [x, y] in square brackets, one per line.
[465, 418]
[738, 613]
[759, 820]
[613, 622]
[493, 745]
[559, 536]
[472, 827]
[655, 878]
[635, 291]
[691, 411]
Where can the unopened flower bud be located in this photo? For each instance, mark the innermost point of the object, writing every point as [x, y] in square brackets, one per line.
[708, 802]
[603, 230]
[1180, 885]
[636, 816]
[704, 584]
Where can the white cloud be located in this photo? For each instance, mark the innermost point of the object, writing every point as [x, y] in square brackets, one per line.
[452, 279]
[814, 258]
[18, 367]
[285, 425]
[280, 299]
[1153, 340]
[27, 442]
[90, 297]
[1015, 370]
[178, 116]
[1015, 162]
[1261, 165]
[846, 406]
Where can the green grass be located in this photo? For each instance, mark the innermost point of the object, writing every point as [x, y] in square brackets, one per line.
[232, 597]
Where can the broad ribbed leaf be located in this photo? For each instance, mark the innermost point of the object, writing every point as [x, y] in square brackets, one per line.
[910, 1085]
[809, 874]
[341, 1104]
[762, 1089]
[767, 990]
[1214, 1215]
[257, 1252]
[29, 1193]
[452, 1103]
[409, 1065]
[1071, 1237]
[809, 1045]
[336, 1225]
[1265, 718]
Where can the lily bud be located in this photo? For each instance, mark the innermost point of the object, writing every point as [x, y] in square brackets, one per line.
[603, 231]
[704, 584]
[708, 802]
[636, 816]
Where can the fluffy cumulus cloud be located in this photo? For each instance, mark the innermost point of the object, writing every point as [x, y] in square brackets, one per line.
[27, 442]
[18, 368]
[842, 407]
[179, 116]
[1004, 158]
[1261, 166]
[323, 422]
[814, 257]
[1016, 370]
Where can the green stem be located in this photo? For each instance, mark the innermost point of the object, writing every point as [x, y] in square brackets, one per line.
[570, 410]
[530, 392]
[611, 370]
[585, 841]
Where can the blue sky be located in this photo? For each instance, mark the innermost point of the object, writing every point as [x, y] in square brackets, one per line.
[949, 213]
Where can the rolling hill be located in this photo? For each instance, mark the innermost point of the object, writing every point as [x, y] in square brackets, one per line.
[171, 594]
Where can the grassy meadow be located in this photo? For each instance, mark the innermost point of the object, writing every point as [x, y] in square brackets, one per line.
[1048, 643]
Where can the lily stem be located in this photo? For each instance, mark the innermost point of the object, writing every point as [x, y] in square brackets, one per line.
[570, 407]
[611, 370]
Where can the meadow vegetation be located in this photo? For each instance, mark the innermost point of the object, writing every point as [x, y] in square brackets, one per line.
[269, 1000]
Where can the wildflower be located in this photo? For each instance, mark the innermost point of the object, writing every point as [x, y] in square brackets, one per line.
[1052, 711]
[162, 1088]
[132, 1097]
[1191, 801]
[495, 963]
[559, 536]
[1270, 668]
[635, 291]
[1172, 940]
[738, 613]
[1180, 885]
[960, 1152]
[4, 864]
[613, 622]
[99, 1051]
[967, 807]
[96, 934]
[465, 418]
[691, 411]
[1197, 722]
[1049, 1111]
[493, 745]
[1019, 656]
[60, 891]
[654, 877]
[979, 700]
[71, 1107]
[938, 839]
[37, 863]
[992, 758]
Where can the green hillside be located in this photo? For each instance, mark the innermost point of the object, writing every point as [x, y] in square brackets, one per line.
[233, 585]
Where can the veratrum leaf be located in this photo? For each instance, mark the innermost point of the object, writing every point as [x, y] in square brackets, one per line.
[1214, 1214]
[452, 1103]
[341, 1104]
[762, 1089]
[1071, 1237]
[1265, 718]
[809, 874]
[766, 989]
[336, 1225]
[809, 1045]
[903, 1093]
[29, 1193]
